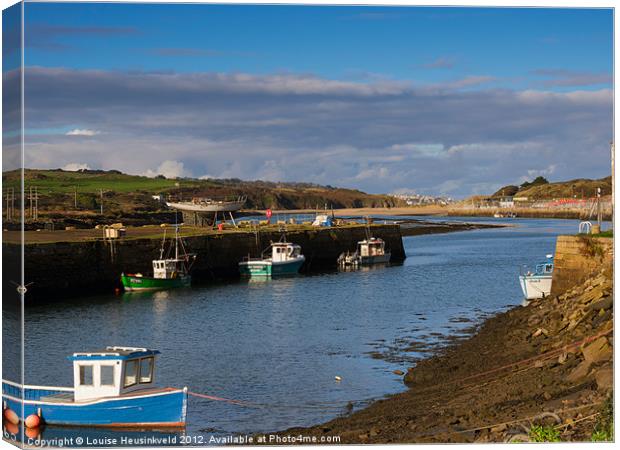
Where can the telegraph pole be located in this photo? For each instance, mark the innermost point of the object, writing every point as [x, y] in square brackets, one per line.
[75, 197]
[101, 196]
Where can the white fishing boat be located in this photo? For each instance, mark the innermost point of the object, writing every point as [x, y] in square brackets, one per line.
[369, 251]
[536, 283]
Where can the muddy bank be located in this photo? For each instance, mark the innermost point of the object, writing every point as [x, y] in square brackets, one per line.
[548, 364]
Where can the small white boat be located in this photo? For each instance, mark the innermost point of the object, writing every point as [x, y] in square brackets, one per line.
[369, 251]
[537, 283]
[285, 259]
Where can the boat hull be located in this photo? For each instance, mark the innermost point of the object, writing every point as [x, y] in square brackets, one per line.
[207, 208]
[165, 408]
[133, 283]
[376, 259]
[535, 286]
[270, 269]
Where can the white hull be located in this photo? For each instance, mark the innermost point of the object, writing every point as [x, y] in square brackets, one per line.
[207, 208]
[535, 286]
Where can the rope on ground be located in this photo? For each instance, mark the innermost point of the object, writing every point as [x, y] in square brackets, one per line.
[523, 419]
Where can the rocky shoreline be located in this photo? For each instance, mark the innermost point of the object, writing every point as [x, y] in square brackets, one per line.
[543, 372]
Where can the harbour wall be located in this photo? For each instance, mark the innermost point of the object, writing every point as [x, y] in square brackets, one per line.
[577, 258]
[62, 269]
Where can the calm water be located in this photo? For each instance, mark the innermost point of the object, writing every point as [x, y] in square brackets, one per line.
[282, 342]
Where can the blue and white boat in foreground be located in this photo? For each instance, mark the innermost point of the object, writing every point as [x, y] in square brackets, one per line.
[112, 388]
[537, 283]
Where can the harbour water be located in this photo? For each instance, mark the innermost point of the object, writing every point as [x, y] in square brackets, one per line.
[280, 344]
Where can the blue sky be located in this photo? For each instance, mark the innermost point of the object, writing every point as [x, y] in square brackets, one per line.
[438, 100]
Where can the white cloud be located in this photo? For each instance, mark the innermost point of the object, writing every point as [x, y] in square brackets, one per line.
[82, 132]
[169, 169]
[74, 167]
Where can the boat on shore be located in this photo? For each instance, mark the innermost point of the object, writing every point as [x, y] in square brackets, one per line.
[208, 205]
[111, 388]
[369, 251]
[536, 283]
[169, 271]
[279, 259]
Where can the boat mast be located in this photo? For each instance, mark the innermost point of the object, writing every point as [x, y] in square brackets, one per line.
[163, 244]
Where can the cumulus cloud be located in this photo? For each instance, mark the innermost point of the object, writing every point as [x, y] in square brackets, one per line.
[373, 135]
[74, 167]
[169, 169]
[82, 132]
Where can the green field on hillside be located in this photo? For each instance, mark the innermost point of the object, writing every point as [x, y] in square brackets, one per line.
[58, 181]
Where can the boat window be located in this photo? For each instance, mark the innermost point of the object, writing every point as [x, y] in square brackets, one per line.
[146, 370]
[131, 372]
[107, 376]
[86, 375]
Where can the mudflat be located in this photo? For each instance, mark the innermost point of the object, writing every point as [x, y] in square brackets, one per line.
[548, 364]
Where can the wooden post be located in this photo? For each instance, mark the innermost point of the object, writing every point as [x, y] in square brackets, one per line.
[101, 197]
[75, 197]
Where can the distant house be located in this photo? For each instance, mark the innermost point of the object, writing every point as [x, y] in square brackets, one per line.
[506, 202]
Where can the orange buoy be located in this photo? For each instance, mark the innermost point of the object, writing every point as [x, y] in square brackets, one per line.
[32, 421]
[11, 428]
[33, 433]
[11, 416]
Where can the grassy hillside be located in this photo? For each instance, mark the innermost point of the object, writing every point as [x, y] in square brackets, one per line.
[129, 194]
[581, 188]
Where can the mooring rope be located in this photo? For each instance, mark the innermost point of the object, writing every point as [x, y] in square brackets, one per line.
[323, 406]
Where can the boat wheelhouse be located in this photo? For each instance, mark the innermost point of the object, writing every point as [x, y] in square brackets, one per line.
[114, 387]
[369, 251]
[169, 271]
[536, 283]
[285, 259]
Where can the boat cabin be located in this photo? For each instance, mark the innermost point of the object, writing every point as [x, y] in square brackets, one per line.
[284, 251]
[545, 268]
[112, 372]
[371, 247]
[168, 268]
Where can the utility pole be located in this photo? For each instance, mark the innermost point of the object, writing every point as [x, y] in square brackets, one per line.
[599, 212]
[101, 196]
[36, 203]
[75, 197]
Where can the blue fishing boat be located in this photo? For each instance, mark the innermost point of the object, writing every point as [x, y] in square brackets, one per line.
[112, 388]
[536, 283]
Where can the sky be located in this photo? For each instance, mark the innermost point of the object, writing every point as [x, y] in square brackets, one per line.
[443, 101]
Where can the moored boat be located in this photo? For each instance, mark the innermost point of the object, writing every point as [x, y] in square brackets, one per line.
[536, 283]
[369, 251]
[113, 387]
[169, 271]
[285, 259]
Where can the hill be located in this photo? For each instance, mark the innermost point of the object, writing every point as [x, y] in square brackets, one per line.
[541, 189]
[80, 193]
